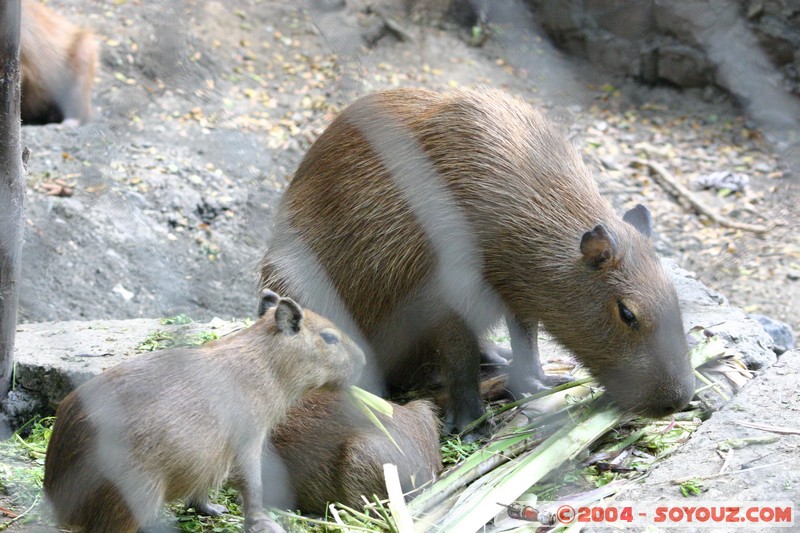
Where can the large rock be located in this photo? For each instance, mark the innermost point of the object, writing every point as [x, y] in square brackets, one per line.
[781, 333]
[52, 358]
[706, 308]
[607, 31]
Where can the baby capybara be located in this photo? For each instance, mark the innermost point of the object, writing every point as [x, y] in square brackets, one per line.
[333, 453]
[418, 219]
[174, 424]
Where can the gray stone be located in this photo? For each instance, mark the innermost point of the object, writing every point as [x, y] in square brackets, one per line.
[609, 32]
[560, 15]
[684, 66]
[628, 19]
[617, 54]
[20, 406]
[52, 358]
[706, 309]
[778, 39]
[672, 22]
[781, 333]
[563, 21]
[703, 307]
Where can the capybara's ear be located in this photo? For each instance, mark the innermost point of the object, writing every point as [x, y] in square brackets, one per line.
[598, 247]
[640, 218]
[288, 316]
[268, 299]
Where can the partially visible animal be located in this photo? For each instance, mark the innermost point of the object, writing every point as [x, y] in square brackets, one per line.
[418, 219]
[333, 453]
[174, 424]
[57, 64]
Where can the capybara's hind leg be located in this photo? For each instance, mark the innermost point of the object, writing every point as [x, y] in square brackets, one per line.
[110, 511]
[110, 514]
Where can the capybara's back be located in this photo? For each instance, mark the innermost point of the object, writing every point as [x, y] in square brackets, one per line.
[335, 454]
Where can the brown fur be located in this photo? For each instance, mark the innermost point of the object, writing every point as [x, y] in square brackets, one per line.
[174, 424]
[432, 215]
[335, 454]
[57, 65]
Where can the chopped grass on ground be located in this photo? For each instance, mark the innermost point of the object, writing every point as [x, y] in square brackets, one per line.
[158, 340]
[164, 340]
[22, 471]
[454, 450]
[176, 320]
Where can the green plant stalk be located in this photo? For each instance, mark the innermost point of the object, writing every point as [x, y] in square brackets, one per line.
[497, 452]
[479, 505]
[401, 517]
[567, 412]
[630, 439]
[712, 385]
[35, 451]
[378, 508]
[522, 401]
[320, 522]
[366, 402]
[473, 467]
[518, 476]
[708, 351]
[364, 519]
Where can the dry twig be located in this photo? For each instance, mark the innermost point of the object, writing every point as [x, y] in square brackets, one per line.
[682, 480]
[772, 429]
[664, 178]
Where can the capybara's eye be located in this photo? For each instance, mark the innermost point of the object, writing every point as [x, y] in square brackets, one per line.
[329, 337]
[627, 316]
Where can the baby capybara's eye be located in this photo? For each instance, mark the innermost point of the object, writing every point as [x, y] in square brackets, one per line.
[329, 337]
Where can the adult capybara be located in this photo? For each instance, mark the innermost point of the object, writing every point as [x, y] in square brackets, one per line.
[174, 424]
[57, 64]
[417, 219]
[333, 453]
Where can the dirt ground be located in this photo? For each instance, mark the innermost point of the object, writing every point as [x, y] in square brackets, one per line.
[203, 110]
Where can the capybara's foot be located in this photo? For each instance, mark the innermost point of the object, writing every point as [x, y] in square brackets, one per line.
[494, 355]
[261, 523]
[456, 422]
[207, 508]
[518, 386]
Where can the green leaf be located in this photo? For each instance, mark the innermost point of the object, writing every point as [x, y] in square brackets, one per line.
[366, 402]
[376, 403]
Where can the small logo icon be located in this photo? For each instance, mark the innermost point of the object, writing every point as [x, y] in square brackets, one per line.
[565, 514]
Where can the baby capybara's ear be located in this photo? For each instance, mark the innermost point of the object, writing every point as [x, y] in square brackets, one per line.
[268, 299]
[288, 316]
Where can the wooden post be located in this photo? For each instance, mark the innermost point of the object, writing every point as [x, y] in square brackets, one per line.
[12, 187]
